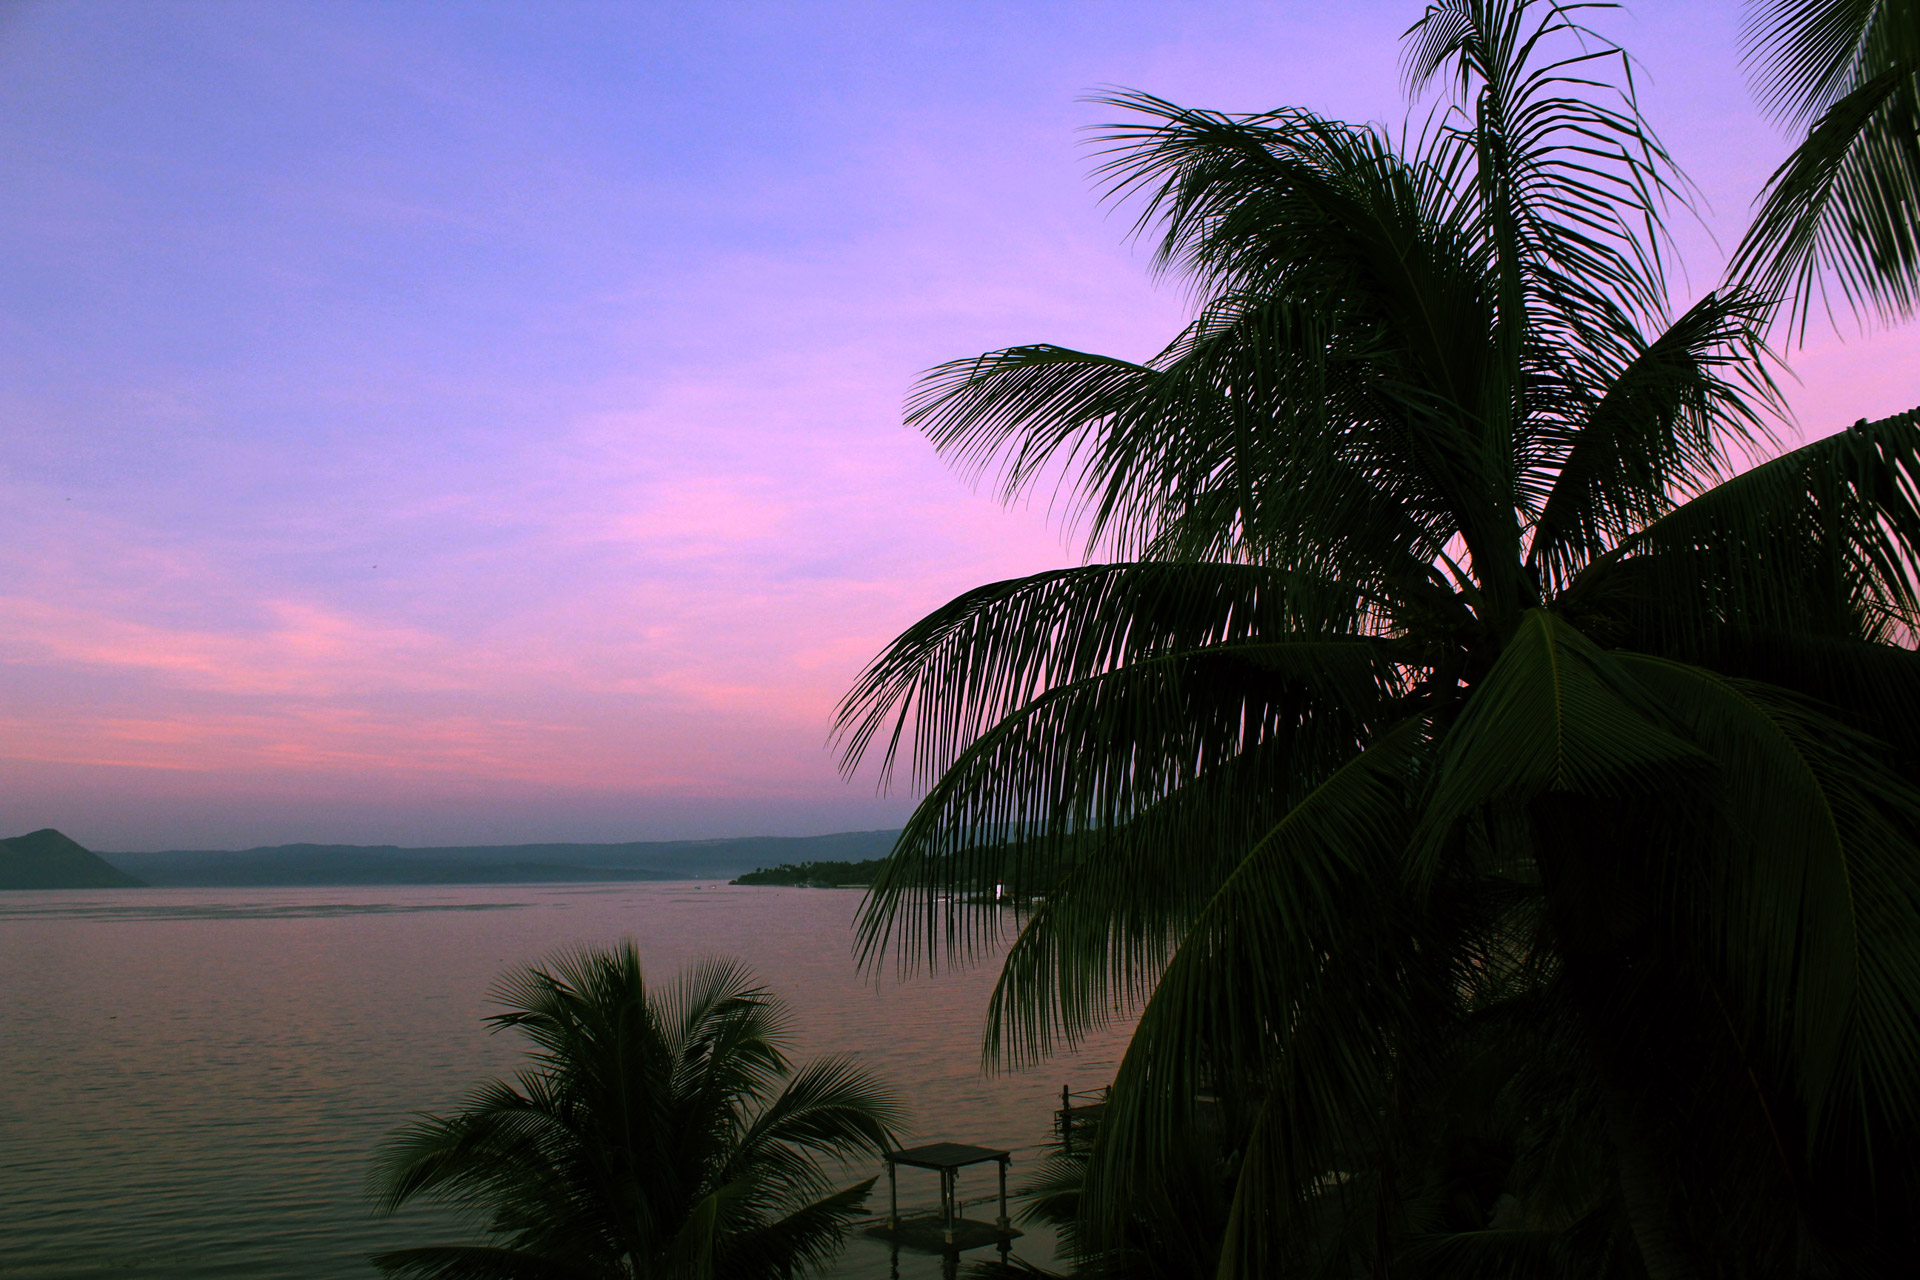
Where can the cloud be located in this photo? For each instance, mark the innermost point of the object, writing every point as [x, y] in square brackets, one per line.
[298, 649]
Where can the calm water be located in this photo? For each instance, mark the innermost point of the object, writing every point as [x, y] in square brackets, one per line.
[191, 1080]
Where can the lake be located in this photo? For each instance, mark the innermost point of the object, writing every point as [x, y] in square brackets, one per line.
[191, 1081]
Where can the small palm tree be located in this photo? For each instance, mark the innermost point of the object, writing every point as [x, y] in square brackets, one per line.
[656, 1135]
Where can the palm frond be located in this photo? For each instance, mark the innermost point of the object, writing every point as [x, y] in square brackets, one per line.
[1874, 688]
[1657, 430]
[1843, 211]
[805, 1239]
[476, 1262]
[505, 1140]
[991, 651]
[1813, 870]
[1573, 181]
[1100, 753]
[1094, 946]
[1805, 55]
[1554, 714]
[832, 1107]
[1821, 540]
[1260, 988]
[1325, 217]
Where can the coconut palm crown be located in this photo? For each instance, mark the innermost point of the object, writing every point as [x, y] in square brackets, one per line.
[657, 1136]
[1454, 711]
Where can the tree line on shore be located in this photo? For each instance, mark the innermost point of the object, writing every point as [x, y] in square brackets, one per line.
[824, 875]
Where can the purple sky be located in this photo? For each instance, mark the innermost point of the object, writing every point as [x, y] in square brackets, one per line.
[433, 423]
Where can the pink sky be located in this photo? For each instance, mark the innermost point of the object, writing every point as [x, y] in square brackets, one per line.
[455, 423]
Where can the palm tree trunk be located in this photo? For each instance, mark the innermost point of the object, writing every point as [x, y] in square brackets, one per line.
[1646, 1192]
[1596, 915]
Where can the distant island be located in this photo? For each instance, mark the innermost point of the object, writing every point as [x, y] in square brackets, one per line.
[45, 859]
[336, 864]
[816, 875]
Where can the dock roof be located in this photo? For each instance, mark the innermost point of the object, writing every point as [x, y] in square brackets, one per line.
[944, 1155]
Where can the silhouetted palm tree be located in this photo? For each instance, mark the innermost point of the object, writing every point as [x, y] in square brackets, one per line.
[658, 1136]
[1463, 764]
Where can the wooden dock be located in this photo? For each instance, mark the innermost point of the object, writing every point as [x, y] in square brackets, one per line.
[1078, 1115]
[944, 1231]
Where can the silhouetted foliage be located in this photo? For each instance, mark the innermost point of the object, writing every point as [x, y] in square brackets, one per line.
[1461, 761]
[1843, 212]
[658, 1134]
[820, 874]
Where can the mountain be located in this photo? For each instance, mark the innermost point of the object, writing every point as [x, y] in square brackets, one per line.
[343, 864]
[48, 860]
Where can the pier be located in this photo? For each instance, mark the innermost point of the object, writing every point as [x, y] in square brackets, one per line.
[1079, 1112]
[945, 1231]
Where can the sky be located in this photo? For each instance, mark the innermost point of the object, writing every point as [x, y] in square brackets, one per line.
[438, 424]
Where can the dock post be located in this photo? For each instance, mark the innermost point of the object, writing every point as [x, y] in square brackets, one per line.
[1003, 1198]
[1066, 1120]
[893, 1197]
[949, 1192]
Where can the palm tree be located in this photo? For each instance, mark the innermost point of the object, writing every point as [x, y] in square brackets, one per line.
[1459, 752]
[656, 1136]
[1845, 207]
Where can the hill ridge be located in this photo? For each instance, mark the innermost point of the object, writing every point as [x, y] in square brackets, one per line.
[48, 859]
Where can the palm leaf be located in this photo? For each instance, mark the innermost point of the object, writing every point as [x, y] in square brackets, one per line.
[1813, 887]
[1099, 753]
[476, 1262]
[1659, 428]
[804, 1239]
[1843, 211]
[990, 652]
[1554, 714]
[1820, 540]
[1262, 983]
[1093, 948]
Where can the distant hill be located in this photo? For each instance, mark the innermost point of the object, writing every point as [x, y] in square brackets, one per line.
[337, 864]
[48, 860]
